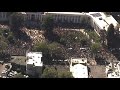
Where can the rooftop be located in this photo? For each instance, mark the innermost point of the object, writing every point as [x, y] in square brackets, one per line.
[80, 71]
[68, 13]
[102, 20]
[34, 58]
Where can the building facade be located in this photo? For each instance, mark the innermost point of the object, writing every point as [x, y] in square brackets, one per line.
[98, 20]
[4, 17]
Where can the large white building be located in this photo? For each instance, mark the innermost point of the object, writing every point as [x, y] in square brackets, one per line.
[98, 20]
[34, 63]
[79, 68]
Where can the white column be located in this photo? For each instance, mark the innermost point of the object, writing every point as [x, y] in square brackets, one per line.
[68, 19]
[2, 15]
[39, 17]
[35, 16]
[74, 19]
[54, 16]
[77, 19]
[30, 16]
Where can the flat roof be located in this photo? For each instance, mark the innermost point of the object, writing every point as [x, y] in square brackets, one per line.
[34, 58]
[102, 20]
[110, 20]
[80, 71]
[68, 13]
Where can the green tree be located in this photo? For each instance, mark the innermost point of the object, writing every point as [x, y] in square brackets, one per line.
[110, 35]
[10, 38]
[84, 41]
[50, 72]
[95, 48]
[72, 37]
[3, 45]
[41, 47]
[48, 24]
[94, 36]
[56, 51]
[16, 21]
[19, 75]
[63, 74]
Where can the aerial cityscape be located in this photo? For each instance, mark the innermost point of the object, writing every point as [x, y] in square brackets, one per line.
[59, 45]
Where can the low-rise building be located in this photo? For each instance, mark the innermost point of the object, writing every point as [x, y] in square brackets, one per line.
[33, 63]
[79, 68]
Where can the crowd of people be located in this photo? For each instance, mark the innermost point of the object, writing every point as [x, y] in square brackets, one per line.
[35, 35]
[4, 26]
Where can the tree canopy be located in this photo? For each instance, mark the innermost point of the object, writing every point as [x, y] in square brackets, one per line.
[110, 31]
[64, 74]
[50, 51]
[48, 24]
[50, 73]
[16, 21]
[110, 34]
[95, 48]
[19, 75]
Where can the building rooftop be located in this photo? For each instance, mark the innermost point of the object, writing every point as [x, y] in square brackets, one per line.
[102, 20]
[34, 58]
[68, 13]
[80, 71]
[77, 67]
